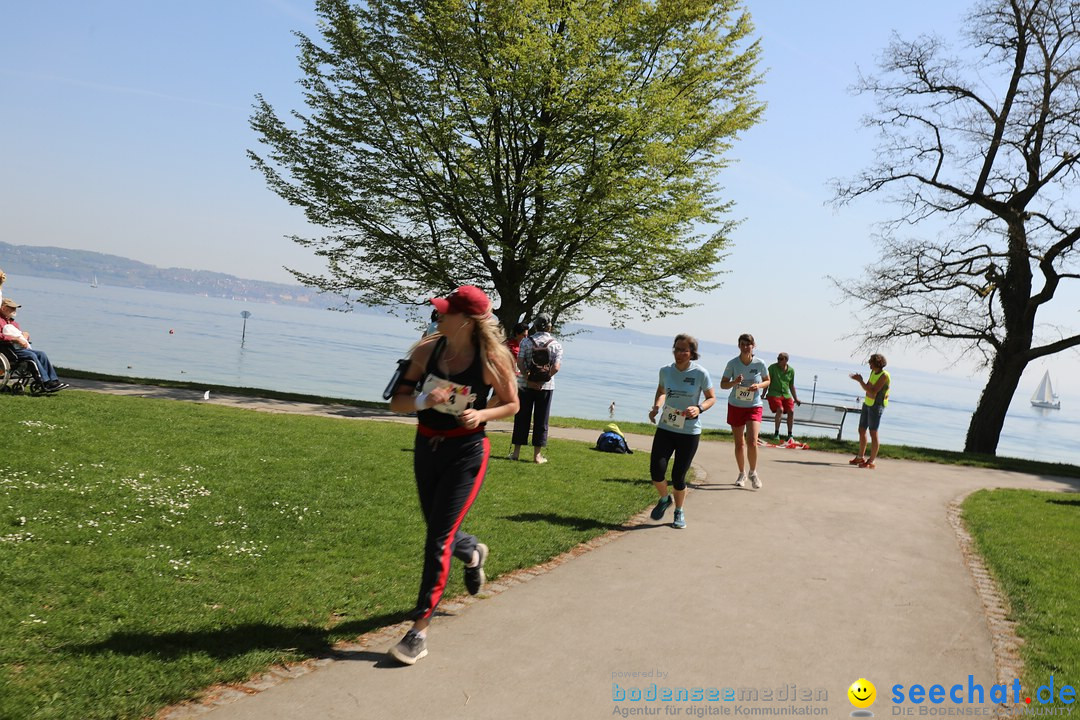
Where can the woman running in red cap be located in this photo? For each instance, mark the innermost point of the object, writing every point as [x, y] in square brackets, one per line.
[454, 369]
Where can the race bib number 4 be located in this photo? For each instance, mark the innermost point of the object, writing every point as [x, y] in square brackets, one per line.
[745, 394]
[460, 398]
[673, 418]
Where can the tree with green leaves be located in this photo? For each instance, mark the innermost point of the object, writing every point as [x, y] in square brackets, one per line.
[561, 154]
[991, 147]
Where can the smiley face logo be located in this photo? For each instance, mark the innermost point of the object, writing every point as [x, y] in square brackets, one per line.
[862, 693]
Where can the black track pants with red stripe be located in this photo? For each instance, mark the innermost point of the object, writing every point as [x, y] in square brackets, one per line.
[449, 473]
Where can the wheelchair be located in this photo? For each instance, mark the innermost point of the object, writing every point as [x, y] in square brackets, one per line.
[19, 374]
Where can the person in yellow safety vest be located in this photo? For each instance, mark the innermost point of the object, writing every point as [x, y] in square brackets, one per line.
[876, 400]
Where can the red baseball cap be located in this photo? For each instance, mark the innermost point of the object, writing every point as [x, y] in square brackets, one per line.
[467, 299]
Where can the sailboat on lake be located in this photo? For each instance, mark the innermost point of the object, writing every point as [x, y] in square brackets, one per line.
[1044, 396]
[93, 283]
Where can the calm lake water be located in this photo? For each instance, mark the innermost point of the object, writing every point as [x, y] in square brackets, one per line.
[351, 355]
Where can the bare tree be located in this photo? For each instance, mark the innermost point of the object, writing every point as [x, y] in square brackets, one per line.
[984, 152]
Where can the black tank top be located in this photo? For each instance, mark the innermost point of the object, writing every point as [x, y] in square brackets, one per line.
[472, 377]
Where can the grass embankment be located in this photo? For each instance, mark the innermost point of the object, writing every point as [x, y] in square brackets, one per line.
[816, 442]
[68, 374]
[151, 548]
[895, 452]
[1031, 543]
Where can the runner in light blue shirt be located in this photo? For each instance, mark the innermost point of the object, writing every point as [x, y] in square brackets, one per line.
[678, 402]
[682, 390]
[747, 378]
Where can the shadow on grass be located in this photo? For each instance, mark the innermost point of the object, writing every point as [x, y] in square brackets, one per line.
[1068, 503]
[576, 523]
[624, 481]
[224, 643]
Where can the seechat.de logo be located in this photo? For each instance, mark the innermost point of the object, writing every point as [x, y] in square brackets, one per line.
[974, 693]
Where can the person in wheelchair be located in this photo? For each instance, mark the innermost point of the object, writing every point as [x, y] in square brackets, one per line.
[20, 344]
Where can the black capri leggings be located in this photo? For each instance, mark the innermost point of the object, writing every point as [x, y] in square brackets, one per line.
[664, 443]
[449, 473]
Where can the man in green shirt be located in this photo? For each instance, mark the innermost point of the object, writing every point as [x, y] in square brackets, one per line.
[782, 396]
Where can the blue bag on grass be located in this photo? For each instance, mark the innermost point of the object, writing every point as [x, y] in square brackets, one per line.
[612, 440]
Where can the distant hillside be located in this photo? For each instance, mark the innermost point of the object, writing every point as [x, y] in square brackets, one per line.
[84, 266]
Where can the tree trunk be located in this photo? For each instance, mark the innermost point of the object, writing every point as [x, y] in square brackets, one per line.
[508, 315]
[507, 320]
[989, 417]
[1018, 319]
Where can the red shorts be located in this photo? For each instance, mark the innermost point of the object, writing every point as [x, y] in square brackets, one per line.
[739, 416]
[778, 403]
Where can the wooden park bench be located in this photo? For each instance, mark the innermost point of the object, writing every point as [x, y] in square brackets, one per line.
[812, 415]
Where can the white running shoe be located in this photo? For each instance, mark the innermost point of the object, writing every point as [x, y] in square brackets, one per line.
[755, 481]
[741, 482]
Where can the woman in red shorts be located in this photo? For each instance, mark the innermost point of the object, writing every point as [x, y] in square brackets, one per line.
[747, 378]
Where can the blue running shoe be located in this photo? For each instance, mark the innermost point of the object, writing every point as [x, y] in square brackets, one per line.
[680, 519]
[661, 507]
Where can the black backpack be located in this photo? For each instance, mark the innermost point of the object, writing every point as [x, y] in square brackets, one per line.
[538, 368]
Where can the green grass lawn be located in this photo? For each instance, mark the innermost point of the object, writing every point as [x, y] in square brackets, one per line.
[1031, 543]
[151, 548]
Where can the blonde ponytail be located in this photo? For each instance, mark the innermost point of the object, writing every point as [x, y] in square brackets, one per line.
[491, 341]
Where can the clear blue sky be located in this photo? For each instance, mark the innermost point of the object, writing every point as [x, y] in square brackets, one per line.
[125, 126]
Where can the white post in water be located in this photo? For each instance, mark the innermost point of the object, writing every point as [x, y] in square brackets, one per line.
[244, 314]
